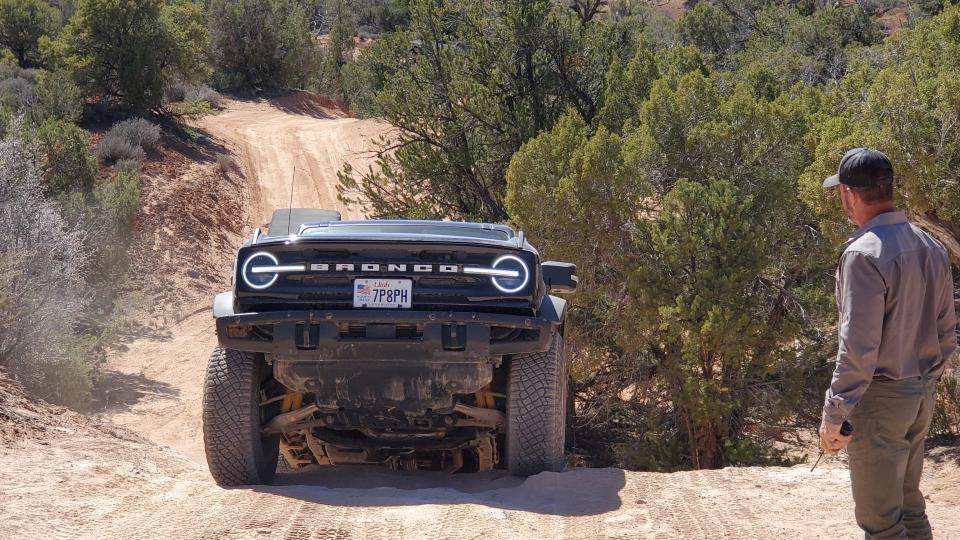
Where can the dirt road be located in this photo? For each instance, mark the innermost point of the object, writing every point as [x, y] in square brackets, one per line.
[294, 140]
[70, 476]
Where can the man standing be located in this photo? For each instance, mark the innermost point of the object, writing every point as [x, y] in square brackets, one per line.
[897, 330]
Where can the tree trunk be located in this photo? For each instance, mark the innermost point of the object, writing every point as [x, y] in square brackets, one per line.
[941, 232]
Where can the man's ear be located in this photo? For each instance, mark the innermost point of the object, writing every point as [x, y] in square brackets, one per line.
[852, 195]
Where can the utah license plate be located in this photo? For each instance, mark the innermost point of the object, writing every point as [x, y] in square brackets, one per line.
[382, 293]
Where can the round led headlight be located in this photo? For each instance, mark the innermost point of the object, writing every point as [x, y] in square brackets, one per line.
[258, 279]
[511, 285]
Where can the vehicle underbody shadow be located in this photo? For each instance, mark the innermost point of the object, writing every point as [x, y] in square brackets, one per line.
[577, 492]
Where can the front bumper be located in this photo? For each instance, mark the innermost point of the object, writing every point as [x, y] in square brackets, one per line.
[384, 359]
[456, 337]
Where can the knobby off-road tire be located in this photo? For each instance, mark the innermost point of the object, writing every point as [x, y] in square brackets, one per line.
[236, 452]
[536, 410]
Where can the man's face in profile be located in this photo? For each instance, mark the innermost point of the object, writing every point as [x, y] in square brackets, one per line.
[846, 200]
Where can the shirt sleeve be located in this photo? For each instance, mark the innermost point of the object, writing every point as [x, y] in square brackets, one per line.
[947, 318]
[861, 294]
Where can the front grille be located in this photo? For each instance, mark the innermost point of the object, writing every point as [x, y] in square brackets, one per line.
[322, 281]
[333, 288]
[449, 281]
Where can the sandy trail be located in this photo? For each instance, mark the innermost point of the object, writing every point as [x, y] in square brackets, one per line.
[87, 478]
[294, 134]
[89, 484]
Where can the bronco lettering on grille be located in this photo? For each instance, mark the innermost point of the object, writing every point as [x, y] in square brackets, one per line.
[387, 268]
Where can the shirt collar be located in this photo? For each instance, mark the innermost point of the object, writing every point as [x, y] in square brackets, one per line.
[879, 220]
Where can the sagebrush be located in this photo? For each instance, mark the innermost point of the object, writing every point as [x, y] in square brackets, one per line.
[45, 295]
[128, 140]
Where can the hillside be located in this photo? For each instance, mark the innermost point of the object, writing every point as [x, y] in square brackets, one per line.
[136, 469]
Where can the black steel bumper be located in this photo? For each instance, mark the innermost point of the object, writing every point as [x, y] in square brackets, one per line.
[439, 337]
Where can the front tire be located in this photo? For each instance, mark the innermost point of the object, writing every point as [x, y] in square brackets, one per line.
[536, 410]
[236, 452]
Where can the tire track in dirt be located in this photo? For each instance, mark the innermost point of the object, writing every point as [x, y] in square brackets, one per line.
[93, 484]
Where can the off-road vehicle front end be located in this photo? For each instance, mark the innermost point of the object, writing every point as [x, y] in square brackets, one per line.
[415, 344]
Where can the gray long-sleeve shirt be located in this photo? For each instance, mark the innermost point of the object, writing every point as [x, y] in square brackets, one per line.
[897, 318]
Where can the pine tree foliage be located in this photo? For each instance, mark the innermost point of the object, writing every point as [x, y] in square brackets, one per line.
[685, 227]
[124, 51]
[260, 44]
[23, 23]
[465, 86]
[909, 108]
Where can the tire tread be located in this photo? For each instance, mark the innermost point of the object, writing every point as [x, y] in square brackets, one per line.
[231, 424]
[536, 418]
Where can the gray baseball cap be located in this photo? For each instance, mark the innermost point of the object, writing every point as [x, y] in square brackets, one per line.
[862, 167]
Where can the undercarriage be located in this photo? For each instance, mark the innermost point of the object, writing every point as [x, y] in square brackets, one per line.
[462, 439]
[466, 416]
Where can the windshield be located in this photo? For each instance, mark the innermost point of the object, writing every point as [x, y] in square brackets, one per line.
[406, 229]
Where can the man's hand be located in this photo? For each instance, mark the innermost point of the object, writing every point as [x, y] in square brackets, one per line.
[831, 441]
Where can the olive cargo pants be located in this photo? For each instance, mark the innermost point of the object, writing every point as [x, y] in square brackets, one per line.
[886, 457]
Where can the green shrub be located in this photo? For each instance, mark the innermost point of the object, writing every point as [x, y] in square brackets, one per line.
[190, 108]
[57, 97]
[908, 107]
[127, 165]
[462, 104]
[43, 273]
[17, 93]
[693, 243]
[118, 199]
[179, 92]
[69, 166]
[712, 30]
[67, 378]
[12, 70]
[6, 117]
[379, 16]
[7, 59]
[205, 93]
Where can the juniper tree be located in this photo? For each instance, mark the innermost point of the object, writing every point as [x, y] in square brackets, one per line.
[22, 23]
[698, 267]
[124, 51]
[465, 86]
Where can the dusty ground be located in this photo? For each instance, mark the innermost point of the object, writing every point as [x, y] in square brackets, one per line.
[136, 469]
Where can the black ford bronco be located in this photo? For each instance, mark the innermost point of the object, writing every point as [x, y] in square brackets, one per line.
[414, 344]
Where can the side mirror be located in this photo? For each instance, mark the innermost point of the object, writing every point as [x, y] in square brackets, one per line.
[560, 277]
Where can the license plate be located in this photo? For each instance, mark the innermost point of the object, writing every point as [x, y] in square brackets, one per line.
[382, 293]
